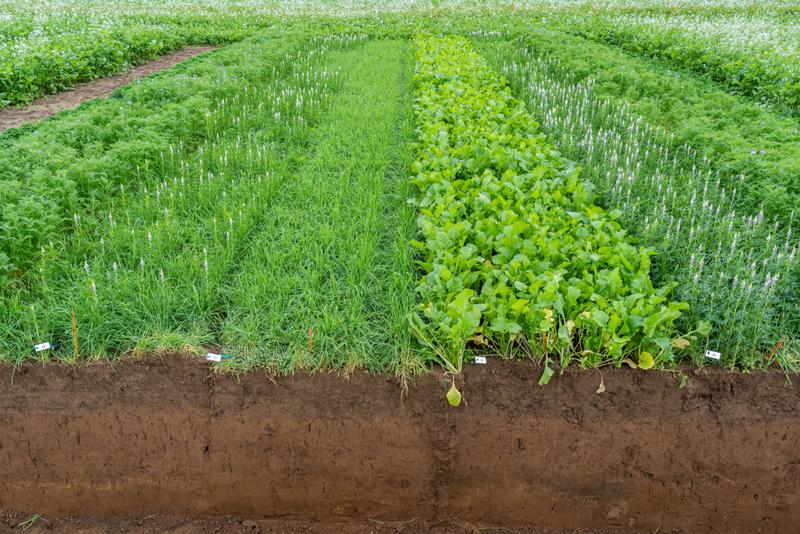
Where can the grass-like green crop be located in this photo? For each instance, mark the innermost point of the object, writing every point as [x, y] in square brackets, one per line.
[328, 280]
[148, 274]
[285, 245]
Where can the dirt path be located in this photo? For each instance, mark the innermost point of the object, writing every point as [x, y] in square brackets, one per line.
[47, 106]
[167, 436]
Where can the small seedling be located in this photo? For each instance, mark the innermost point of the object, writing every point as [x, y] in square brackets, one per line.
[32, 520]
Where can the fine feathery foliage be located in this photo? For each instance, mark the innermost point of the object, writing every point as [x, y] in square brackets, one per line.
[283, 241]
[62, 49]
[95, 152]
[148, 273]
[753, 56]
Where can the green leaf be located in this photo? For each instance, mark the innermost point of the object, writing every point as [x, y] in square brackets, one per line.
[547, 374]
[646, 360]
[454, 396]
[680, 343]
[504, 326]
[704, 328]
[600, 318]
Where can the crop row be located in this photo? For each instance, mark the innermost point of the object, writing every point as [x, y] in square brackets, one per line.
[327, 282]
[92, 154]
[146, 272]
[734, 269]
[758, 57]
[60, 43]
[516, 256]
[283, 239]
[754, 149]
[54, 57]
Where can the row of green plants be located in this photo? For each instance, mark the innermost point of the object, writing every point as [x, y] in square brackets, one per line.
[753, 56]
[515, 254]
[736, 270]
[54, 58]
[327, 282]
[78, 162]
[62, 43]
[148, 273]
[754, 149]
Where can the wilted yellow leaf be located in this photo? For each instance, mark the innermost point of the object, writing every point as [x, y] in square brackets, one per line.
[680, 343]
[646, 360]
[454, 396]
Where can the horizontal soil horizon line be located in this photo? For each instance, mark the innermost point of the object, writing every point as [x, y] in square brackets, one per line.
[169, 436]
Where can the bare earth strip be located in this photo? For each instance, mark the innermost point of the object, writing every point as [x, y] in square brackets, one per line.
[47, 106]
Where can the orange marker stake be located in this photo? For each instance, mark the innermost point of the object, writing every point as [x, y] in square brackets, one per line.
[776, 349]
[311, 340]
[545, 344]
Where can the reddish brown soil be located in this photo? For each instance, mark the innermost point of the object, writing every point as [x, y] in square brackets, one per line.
[169, 440]
[50, 105]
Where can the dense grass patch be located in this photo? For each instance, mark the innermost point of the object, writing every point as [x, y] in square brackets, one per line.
[148, 274]
[327, 281]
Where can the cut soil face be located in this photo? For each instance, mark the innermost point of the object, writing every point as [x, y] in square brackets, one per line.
[47, 106]
[170, 437]
[10, 522]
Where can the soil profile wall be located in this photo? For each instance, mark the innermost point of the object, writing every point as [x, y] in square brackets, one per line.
[166, 435]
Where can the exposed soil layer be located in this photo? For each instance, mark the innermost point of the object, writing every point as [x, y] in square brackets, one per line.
[170, 437]
[47, 106]
[14, 522]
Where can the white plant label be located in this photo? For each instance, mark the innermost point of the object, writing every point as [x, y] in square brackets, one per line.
[713, 354]
[41, 346]
[480, 359]
[213, 357]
